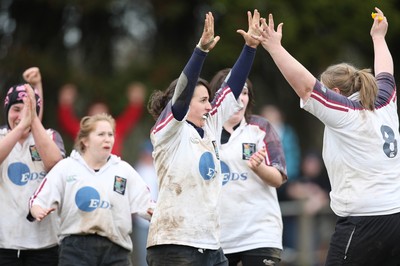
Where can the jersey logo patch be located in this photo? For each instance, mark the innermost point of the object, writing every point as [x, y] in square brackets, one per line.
[119, 185]
[34, 153]
[247, 150]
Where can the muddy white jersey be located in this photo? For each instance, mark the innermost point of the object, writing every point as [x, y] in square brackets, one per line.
[190, 180]
[361, 149]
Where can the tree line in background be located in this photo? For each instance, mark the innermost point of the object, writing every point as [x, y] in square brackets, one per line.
[103, 45]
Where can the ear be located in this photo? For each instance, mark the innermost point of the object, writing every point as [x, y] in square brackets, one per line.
[85, 142]
[336, 90]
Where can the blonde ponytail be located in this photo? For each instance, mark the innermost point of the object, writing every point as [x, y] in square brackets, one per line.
[350, 80]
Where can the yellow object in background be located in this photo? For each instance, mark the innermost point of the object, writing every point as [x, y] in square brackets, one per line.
[373, 15]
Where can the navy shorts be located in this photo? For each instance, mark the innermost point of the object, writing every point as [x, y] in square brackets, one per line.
[92, 250]
[43, 257]
[365, 240]
[178, 255]
[256, 257]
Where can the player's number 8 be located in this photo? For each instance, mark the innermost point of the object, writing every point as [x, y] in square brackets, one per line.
[390, 145]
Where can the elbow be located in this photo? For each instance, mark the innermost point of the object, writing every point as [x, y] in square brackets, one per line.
[50, 164]
[276, 184]
[273, 177]
[305, 94]
[279, 180]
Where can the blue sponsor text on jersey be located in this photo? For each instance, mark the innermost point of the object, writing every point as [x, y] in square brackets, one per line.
[231, 176]
[87, 199]
[207, 166]
[20, 174]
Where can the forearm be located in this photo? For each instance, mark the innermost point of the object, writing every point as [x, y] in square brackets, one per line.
[269, 175]
[383, 61]
[187, 83]
[241, 69]
[47, 148]
[298, 77]
[9, 141]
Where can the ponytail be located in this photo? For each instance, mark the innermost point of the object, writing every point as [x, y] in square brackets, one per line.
[350, 80]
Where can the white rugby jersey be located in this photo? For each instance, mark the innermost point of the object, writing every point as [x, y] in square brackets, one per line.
[360, 149]
[190, 180]
[21, 173]
[90, 202]
[250, 213]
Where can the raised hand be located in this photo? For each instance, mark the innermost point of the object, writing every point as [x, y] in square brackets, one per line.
[26, 116]
[380, 25]
[383, 60]
[208, 40]
[268, 37]
[31, 101]
[32, 76]
[253, 30]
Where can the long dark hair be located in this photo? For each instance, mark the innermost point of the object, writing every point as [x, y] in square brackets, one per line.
[159, 99]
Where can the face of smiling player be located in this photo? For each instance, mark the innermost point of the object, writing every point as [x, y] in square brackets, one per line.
[199, 106]
[15, 115]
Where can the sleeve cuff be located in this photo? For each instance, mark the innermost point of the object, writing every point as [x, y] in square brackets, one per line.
[30, 217]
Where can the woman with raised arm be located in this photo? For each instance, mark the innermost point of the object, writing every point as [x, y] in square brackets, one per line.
[184, 229]
[27, 152]
[360, 148]
[253, 165]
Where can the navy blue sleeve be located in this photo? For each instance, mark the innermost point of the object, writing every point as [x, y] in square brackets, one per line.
[241, 70]
[187, 83]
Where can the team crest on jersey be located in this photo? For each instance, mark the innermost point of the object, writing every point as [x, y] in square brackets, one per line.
[34, 153]
[119, 185]
[247, 150]
[215, 148]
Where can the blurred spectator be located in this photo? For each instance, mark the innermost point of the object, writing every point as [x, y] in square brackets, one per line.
[312, 188]
[145, 167]
[69, 122]
[289, 139]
